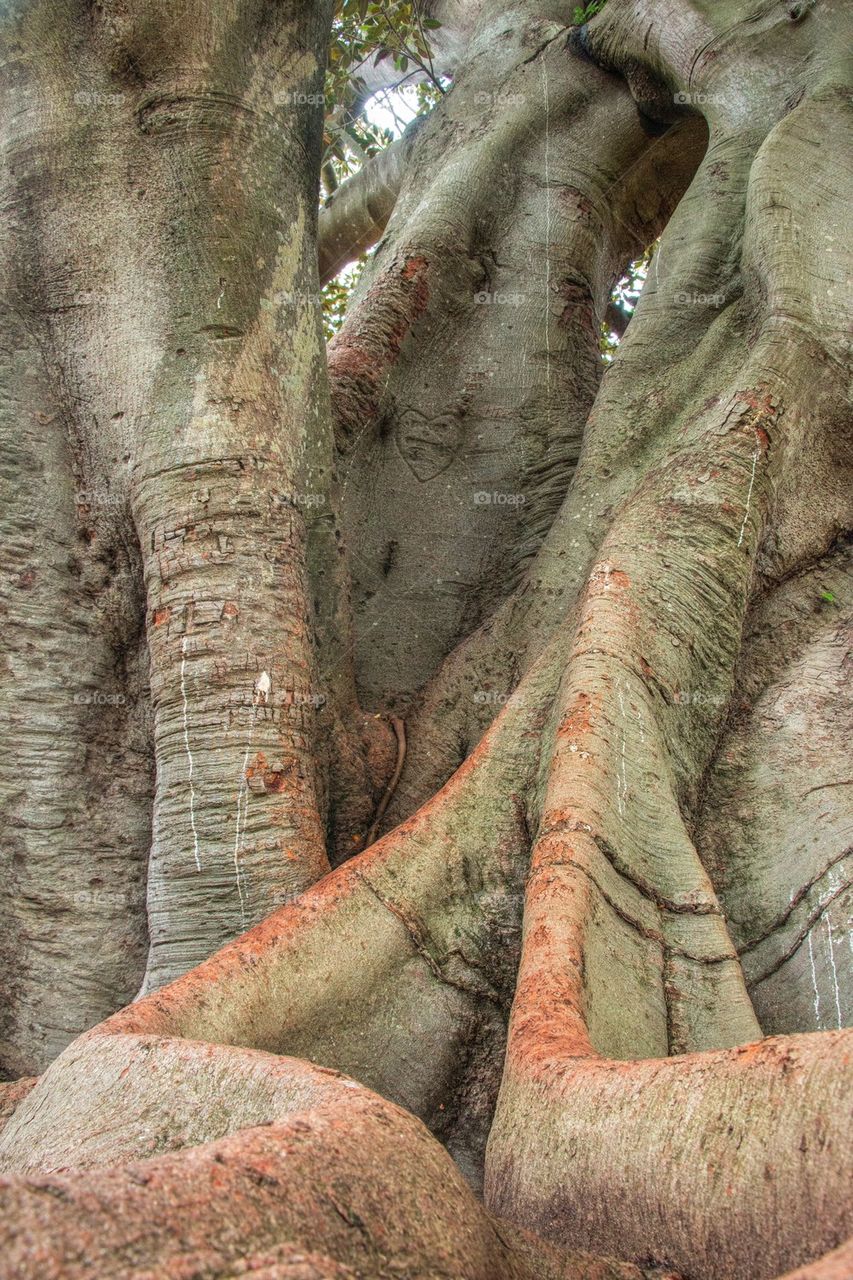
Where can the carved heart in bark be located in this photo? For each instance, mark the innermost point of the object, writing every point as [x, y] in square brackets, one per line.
[428, 446]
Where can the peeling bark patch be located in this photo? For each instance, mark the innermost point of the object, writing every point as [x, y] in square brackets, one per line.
[261, 776]
[414, 268]
[759, 399]
[604, 577]
[579, 720]
[576, 202]
[359, 360]
[577, 299]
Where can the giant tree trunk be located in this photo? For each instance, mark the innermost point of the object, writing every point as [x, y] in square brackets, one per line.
[160, 419]
[594, 635]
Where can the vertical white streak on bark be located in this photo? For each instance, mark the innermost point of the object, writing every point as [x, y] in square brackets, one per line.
[814, 983]
[749, 495]
[622, 781]
[829, 947]
[242, 807]
[547, 231]
[242, 812]
[189, 753]
[655, 263]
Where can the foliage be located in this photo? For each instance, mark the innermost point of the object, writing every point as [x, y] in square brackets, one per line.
[336, 296]
[623, 299]
[583, 13]
[366, 31]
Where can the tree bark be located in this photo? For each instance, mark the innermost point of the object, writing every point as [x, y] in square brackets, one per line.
[163, 239]
[597, 953]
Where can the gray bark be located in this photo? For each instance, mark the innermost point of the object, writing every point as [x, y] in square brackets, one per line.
[617, 836]
[166, 371]
[504, 226]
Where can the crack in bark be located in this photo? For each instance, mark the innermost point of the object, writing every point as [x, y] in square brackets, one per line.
[795, 902]
[419, 937]
[541, 49]
[802, 936]
[846, 782]
[399, 727]
[651, 935]
[642, 886]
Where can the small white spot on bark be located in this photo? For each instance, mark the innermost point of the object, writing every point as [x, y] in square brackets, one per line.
[263, 685]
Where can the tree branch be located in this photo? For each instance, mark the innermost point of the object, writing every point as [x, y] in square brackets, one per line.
[358, 212]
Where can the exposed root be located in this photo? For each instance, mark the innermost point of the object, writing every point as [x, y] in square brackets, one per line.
[399, 727]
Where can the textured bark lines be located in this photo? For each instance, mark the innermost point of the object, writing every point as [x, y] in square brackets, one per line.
[536, 963]
[635, 665]
[426, 1033]
[154, 247]
[509, 230]
[332, 1164]
[736, 1126]
[237, 827]
[779, 788]
[76, 742]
